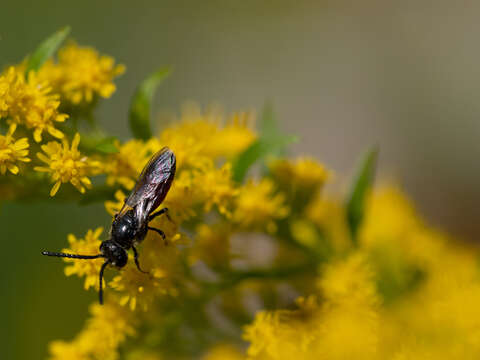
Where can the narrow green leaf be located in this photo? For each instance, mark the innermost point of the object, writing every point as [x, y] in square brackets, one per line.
[361, 185]
[140, 106]
[46, 49]
[271, 142]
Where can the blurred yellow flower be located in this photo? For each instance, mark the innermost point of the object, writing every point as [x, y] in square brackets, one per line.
[85, 246]
[348, 315]
[108, 327]
[197, 136]
[257, 206]
[81, 74]
[302, 173]
[67, 164]
[223, 352]
[28, 101]
[12, 150]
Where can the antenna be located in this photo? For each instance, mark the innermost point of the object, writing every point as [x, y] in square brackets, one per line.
[72, 256]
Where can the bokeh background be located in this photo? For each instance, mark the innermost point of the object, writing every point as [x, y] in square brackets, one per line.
[342, 75]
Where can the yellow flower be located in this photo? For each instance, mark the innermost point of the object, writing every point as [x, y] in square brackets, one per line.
[348, 315]
[304, 173]
[67, 164]
[107, 328]
[214, 186]
[223, 352]
[350, 311]
[329, 215]
[12, 150]
[138, 289]
[29, 102]
[85, 268]
[257, 207]
[125, 166]
[81, 74]
[198, 136]
[161, 260]
[271, 334]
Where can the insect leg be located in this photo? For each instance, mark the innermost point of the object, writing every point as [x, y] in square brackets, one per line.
[160, 232]
[160, 212]
[135, 257]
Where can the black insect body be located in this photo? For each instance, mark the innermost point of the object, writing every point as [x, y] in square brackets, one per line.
[131, 224]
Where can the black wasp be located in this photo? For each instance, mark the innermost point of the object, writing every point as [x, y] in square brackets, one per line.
[130, 225]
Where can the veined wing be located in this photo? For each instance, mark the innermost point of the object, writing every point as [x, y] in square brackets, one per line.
[153, 183]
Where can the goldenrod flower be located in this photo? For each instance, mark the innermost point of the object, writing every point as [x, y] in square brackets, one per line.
[224, 352]
[257, 206]
[81, 74]
[329, 215]
[125, 166]
[12, 150]
[85, 246]
[271, 333]
[348, 315]
[198, 135]
[304, 173]
[67, 164]
[161, 260]
[29, 102]
[138, 289]
[214, 186]
[107, 328]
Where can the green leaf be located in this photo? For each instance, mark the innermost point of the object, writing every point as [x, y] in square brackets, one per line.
[46, 49]
[271, 142]
[361, 185]
[140, 106]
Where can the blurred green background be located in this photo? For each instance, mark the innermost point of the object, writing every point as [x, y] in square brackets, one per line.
[341, 74]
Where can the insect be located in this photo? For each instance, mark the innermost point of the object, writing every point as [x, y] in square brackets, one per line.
[131, 224]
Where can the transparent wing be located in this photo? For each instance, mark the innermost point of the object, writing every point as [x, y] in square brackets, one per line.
[153, 183]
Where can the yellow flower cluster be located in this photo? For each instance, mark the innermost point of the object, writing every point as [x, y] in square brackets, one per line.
[236, 253]
[65, 163]
[434, 315]
[347, 315]
[257, 206]
[81, 74]
[12, 151]
[29, 101]
[30, 104]
[107, 328]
